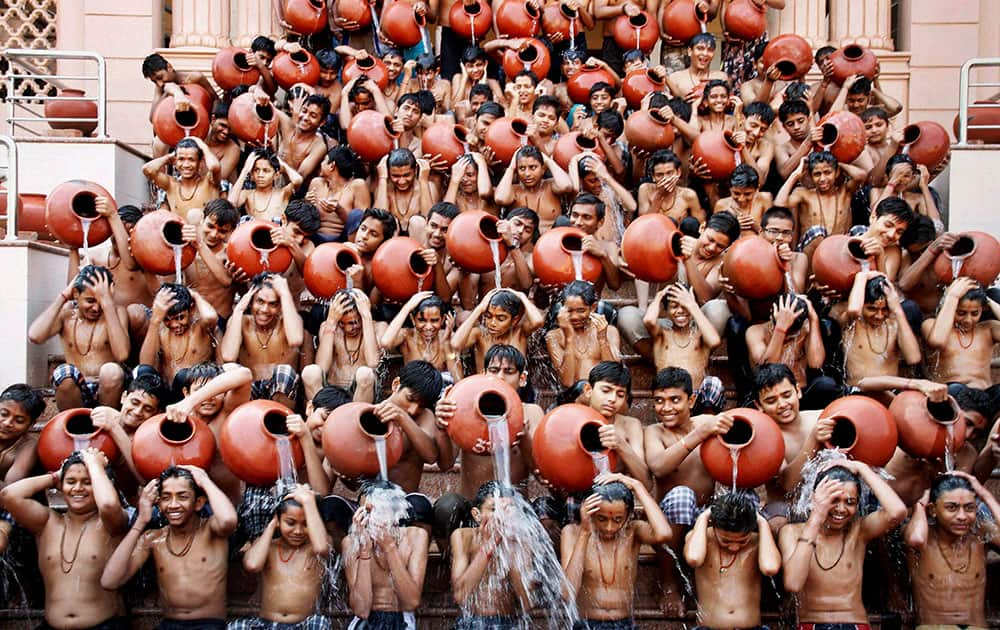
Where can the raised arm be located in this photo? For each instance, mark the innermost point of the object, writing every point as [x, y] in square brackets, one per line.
[223, 520]
[232, 340]
[153, 171]
[131, 554]
[696, 541]
[49, 322]
[18, 499]
[315, 473]
[255, 558]
[109, 506]
[944, 323]
[394, 333]
[290, 318]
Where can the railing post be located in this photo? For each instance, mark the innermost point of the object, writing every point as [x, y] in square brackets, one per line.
[12, 192]
[102, 98]
[963, 102]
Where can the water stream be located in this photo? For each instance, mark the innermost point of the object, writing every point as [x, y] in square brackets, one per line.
[383, 464]
[178, 252]
[949, 447]
[577, 257]
[734, 454]
[601, 464]
[499, 445]
[495, 250]
[287, 476]
[85, 226]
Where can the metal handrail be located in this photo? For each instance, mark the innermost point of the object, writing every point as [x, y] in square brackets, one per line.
[12, 188]
[963, 96]
[18, 56]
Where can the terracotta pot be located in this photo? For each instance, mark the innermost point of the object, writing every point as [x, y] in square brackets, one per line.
[754, 269]
[172, 125]
[755, 443]
[572, 143]
[534, 57]
[251, 122]
[469, 241]
[251, 249]
[445, 139]
[553, 257]
[31, 214]
[306, 16]
[682, 20]
[792, 54]
[638, 31]
[356, 11]
[371, 67]
[200, 95]
[233, 67]
[55, 110]
[638, 83]
[561, 18]
[471, 21]
[398, 269]
[248, 442]
[477, 398]
[645, 129]
[851, 60]
[371, 136]
[564, 446]
[837, 259]
[505, 136]
[975, 255]
[153, 241]
[924, 426]
[325, 269]
[843, 135]
[863, 428]
[926, 142]
[651, 246]
[69, 431]
[297, 67]
[159, 444]
[401, 24]
[744, 20]
[578, 86]
[349, 436]
[516, 18]
[988, 113]
[719, 152]
[69, 205]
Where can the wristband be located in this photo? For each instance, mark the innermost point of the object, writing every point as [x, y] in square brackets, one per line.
[684, 444]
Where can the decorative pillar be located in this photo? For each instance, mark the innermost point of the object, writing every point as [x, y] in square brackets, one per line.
[200, 23]
[253, 18]
[866, 23]
[803, 17]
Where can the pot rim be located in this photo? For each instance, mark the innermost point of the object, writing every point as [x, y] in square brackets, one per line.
[263, 425]
[476, 4]
[568, 12]
[387, 123]
[851, 241]
[944, 423]
[410, 261]
[72, 205]
[355, 258]
[963, 235]
[519, 122]
[254, 230]
[533, 12]
[163, 230]
[572, 233]
[842, 417]
[739, 447]
[488, 218]
[642, 19]
[370, 409]
[80, 413]
[853, 52]
[365, 63]
[491, 390]
[186, 420]
[579, 437]
[300, 57]
[241, 54]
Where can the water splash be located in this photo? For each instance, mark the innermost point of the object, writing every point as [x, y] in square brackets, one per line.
[601, 463]
[81, 443]
[734, 454]
[383, 464]
[85, 226]
[178, 252]
[495, 250]
[500, 447]
[265, 258]
[866, 264]
[287, 476]
[956, 265]
[420, 283]
[577, 257]
[350, 282]
[790, 283]
[949, 447]
[802, 503]
[685, 580]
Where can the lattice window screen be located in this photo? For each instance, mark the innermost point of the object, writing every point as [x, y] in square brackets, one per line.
[28, 24]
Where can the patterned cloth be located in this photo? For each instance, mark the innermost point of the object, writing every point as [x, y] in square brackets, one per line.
[315, 622]
[382, 620]
[617, 624]
[486, 622]
[738, 61]
[680, 506]
[88, 389]
[711, 396]
[284, 380]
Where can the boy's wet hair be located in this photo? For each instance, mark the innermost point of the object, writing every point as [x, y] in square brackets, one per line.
[744, 176]
[776, 212]
[874, 112]
[973, 399]
[225, 213]
[189, 143]
[90, 274]
[615, 491]
[129, 214]
[724, 223]
[284, 504]
[524, 213]
[346, 161]
[176, 472]
[368, 486]
[760, 110]
[588, 199]
[611, 119]
[508, 301]
[481, 89]
[630, 56]
[821, 157]
[490, 108]
[424, 380]
[445, 209]
[735, 512]
[492, 489]
[896, 207]
[204, 371]
[920, 231]
[900, 158]
[330, 397]
[328, 59]
[790, 107]
[473, 53]
[152, 64]
[151, 384]
[320, 101]
[303, 213]
[529, 151]
[862, 86]
[875, 289]
[27, 397]
[432, 301]
[661, 156]
[401, 157]
[614, 372]
[801, 308]
[74, 458]
[546, 100]
[268, 156]
[264, 44]
[385, 218]
[702, 38]
[581, 289]
[504, 352]
[183, 300]
[838, 473]
[769, 375]
[823, 51]
[601, 86]
[673, 378]
[947, 483]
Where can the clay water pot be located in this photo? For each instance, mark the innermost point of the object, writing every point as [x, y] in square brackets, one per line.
[251, 249]
[445, 139]
[248, 442]
[638, 83]
[30, 214]
[987, 113]
[572, 143]
[837, 259]
[564, 445]
[56, 110]
[843, 135]
[356, 11]
[975, 255]
[69, 205]
[863, 428]
[719, 152]
[401, 24]
[478, 398]
[851, 60]
[233, 67]
[926, 142]
[754, 268]
[371, 67]
[69, 431]
[924, 425]
[398, 269]
[469, 241]
[251, 122]
[516, 18]
[306, 16]
[349, 435]
[153, 241]
[645, 129]
[651, 246]
[199, 94]
[534, 57]
[159, 444]
[553, 257]
[505, 136]
[744, 20]
[325, 269]
[471, 21]
[754, 441]
[297, 67]
[578, 86]
[371, 136]
[637, 31]
[682, 20]
[792, 54]
[561, 18]
[172, 125]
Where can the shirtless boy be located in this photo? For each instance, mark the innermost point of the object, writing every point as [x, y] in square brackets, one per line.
[745, 200]
[170, 82]
[403, 187]
[609, 392]
[531, 189]
[198, 175]
[583, 337]
[663, 195]
[348, 350]
[963, 340]
[433, 324]
[20, 406]
[503, 316]
[210, 274]
[181, 331]
[690, 82]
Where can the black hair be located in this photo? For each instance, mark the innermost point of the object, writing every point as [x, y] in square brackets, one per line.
[346, 161]
[446, 209]
[391, 52]
[678, 106]
[797, 90]
[761, 110]
[473, 53]
[529, 151]
[702, 38]
[546, 100]
[661, 156]
[725, 223]
[735, 512]
[896, 207]
[874, 112]
[74, 458]
[838, 473]
[426, 101]
[946, 483]
[769, 375]
[614, 492]
[862, 86]
[581, 289]
[328, 59]
[821, 157]
[359, 88]
[587, 199]
[304, 214]
[369, 486]
[972, 399]
[424, 380]
[526, 73]
[266, 154]
[875, 289]
[791, 107]
[505, 352]
[611, 119]
[189, 143]
[401, 157]
[526, 213]
[714, 83]
[800, 307]
[899, 158]
[320, 101]
[744, 176]
[776, 212]
[183, 300]
[574, 53]
[26, 397]
[614, 372]
[130, 214]
[508, 301]
[330, 397]
[152, 64]
[823, 51]
[632, 55]
[384, 217]
[601, 86]
[263, 43]
[427, 61]
[409, 97]
[490, 108]
[151, 384]
[673, 378]
[284, 504]
[658, 100]
[226, 215]
[431, 301]
[90, 274]
[204, 371]
[920, 231]
[481, 89]
[176, 472]
[492, 489]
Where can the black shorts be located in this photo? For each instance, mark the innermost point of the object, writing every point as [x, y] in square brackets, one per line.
[192, 624]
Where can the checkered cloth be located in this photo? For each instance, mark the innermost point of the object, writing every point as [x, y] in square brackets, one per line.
[812, 233]
[88, 389]
[284, 380]
[315, 622]
[384, 620]
[680, 506]
[617, 624]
